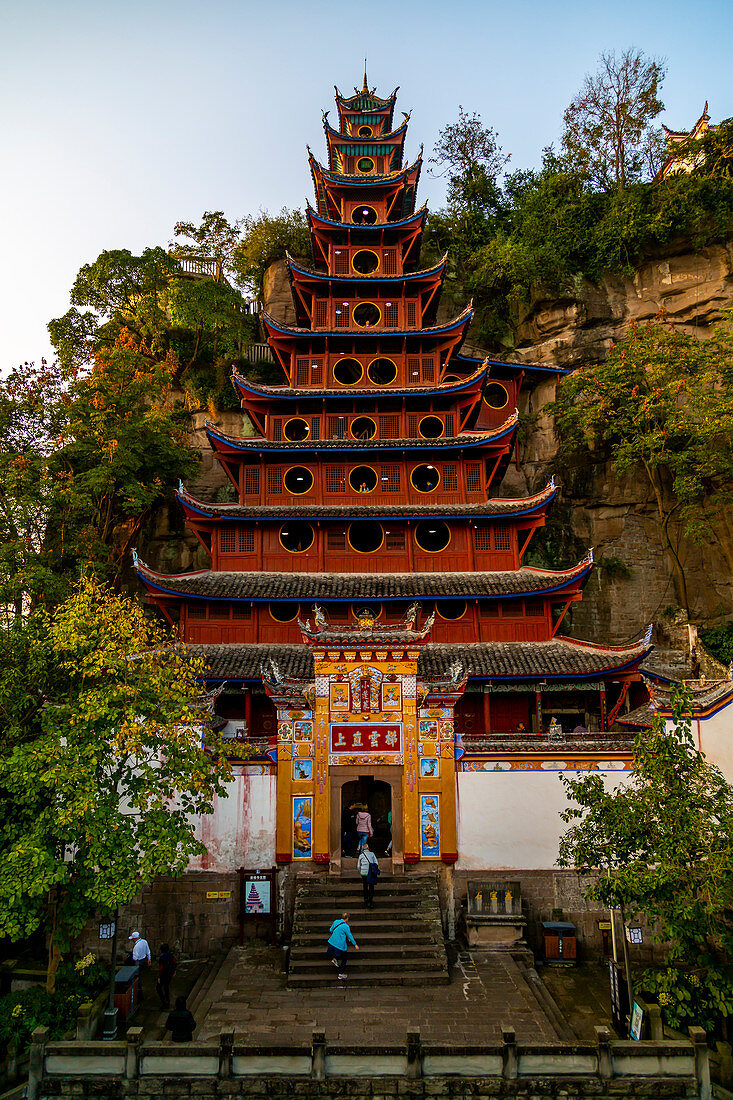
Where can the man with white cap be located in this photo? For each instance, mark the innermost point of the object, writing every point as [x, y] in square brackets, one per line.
[140, 954]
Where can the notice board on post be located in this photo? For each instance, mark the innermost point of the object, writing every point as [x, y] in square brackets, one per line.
[257, 898]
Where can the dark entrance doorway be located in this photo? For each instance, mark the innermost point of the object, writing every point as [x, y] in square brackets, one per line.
[375, 796]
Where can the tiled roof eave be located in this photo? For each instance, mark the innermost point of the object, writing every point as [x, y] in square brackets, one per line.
[262, 587]
[547, 661]
[350, 446]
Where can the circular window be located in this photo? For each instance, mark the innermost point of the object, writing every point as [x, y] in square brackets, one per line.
[374, 609]
[296, 429]
[363, 479]
[425, 478]
[365, 165]
[452, 609]
[298, 480]
[431, 427]
[363, 427]
[297, 537]
[381, 372]
[284, 612]
[366, 315]
[451, 378]
[365, 131]
[364, 215]
[496, 397]
[365, 261]
[365, 538]
[432, 535]
[348, 372]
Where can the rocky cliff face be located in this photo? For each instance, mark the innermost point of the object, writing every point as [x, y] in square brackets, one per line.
[632, 585]
[616, 517]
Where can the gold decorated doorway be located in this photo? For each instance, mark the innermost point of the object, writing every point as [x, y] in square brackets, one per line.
[380, 789]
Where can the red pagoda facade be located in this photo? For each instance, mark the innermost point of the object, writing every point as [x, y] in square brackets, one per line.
[372, 479]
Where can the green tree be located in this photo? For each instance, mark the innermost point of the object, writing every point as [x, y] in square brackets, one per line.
[267, 238]
[104, 797]
[214, 238]
[608, 123]
[469, 155]
[33, 419]
[125, 444]
[711, 154]
[119, 291]
[661, 845]
[661, 406]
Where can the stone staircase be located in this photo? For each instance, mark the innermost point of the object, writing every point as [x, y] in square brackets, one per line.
[400, 940]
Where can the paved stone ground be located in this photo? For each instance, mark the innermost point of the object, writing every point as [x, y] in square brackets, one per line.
[486, 991]
[582, 995]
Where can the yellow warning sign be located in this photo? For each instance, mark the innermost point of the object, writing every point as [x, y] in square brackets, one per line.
[214, 895]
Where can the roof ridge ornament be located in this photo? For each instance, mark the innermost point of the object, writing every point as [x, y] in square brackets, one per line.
[648, 634]
[590, 555]
[551, 483]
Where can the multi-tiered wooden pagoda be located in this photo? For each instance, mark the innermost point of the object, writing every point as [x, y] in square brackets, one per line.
[372, 478]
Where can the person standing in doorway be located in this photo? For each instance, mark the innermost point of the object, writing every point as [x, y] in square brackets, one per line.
[368, 867]
[337, 947]
[166, 970]
[364, 828]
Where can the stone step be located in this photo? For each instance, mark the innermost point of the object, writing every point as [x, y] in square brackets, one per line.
[401, 938]
[317, 950]
[384, 935]
[373, 979]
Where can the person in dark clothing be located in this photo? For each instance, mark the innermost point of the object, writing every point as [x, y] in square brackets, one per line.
[180, 1022]
[166, 970]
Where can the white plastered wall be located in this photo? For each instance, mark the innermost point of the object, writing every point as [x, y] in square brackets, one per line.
[511, 819]
[241, 830]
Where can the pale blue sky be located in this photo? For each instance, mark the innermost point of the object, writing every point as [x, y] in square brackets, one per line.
[120, 118]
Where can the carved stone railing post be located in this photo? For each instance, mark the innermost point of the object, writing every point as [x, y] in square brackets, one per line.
[702, 1062]
[318, 1055]
[656, 1027]
[509, 1062]
[132, 1053]
[39, 1038]
[605, 1059]
[226, 1052]
[414, 1054]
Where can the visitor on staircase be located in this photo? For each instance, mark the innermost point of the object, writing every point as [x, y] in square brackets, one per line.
[364, 828]
[339, 939]
[368, 867]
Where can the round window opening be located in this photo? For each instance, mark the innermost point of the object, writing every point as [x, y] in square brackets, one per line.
[296, 429]
[363, 479]
[347, 372]
[366, 315]
[365, 538]
[365, 131]
[452, 609]
[298, 480]
[496, 397]
[365, 164]
[381, 372]
[365, 261]
[451, 378]
[425, 478]
[431, 427]
[363, 428]
[285, 611]
[296, 537]
[432, 535]
[374, 609]
[364, 215]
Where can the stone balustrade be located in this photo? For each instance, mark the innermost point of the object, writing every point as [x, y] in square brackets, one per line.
[608, 1067]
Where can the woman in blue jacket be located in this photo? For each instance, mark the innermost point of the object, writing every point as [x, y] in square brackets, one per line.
[338, 943]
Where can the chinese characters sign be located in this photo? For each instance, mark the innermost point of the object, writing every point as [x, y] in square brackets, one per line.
[366, 738]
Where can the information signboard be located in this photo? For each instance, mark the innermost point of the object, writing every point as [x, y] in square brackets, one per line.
[257, 898]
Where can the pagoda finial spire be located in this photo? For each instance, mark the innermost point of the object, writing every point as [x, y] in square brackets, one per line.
[366, 86]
